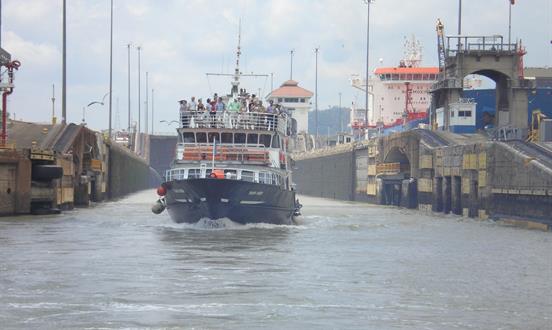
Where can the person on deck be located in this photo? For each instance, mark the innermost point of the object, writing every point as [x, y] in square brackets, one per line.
[271, 112]
[221, 110]
[184, 114]
[193, 105]
[200, 113]
[212, 112]
[233, 109]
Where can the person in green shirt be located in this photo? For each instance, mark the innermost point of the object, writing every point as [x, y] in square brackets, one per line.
[233, 106]
[233, 109]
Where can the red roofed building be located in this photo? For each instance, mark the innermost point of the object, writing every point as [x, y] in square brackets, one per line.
[296, 100]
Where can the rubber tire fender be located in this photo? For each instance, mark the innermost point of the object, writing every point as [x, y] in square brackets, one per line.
[46, 172]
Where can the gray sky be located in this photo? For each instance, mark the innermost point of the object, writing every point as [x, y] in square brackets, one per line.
[184, 39]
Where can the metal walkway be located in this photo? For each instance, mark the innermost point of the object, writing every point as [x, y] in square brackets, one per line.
[536, 151]
[431, 138]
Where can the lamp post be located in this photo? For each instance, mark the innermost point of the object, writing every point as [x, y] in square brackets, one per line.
[128, 69]
[146, 128]
[110, 69]
[64, 69]
[510, 22]
[291, 64]
[152, 110]
[316, 94]
[340, 120]
[459, 17]
[368, 3]
[53, 104]
[139, 49]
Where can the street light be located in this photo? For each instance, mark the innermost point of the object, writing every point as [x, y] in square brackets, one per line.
[367, 2]
[110, 68]
[316, 94]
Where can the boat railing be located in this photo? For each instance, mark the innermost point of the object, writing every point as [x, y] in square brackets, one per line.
[266, 177]
[235, 120]
[247, 153]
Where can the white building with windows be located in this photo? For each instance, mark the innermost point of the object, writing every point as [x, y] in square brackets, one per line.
[296, 100]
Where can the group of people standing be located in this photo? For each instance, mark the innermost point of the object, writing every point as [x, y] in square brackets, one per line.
[195, 113]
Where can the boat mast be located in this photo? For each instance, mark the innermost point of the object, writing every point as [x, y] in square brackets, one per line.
[234, 93]
[236, 82]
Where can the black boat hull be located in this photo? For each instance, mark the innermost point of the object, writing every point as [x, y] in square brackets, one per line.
[243, 202]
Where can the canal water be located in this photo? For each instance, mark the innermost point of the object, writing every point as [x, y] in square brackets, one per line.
[345, 266]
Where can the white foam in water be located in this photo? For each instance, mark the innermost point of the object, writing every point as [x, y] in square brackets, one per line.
[227, 224]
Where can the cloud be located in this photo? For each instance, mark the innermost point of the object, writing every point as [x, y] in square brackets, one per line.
[33, 55]
[184, 39]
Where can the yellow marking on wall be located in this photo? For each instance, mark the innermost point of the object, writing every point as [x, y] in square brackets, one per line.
[482, 160]
[483, 215]
[482, 178]
[469, 161]
[425, 185]
[466, 187]
[426, 161]
[372, 169]
[371, 189]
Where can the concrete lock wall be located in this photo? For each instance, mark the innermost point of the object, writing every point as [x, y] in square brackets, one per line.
[480, 180]
[15, 182]
[127, 172]
[520, 186]
[328, 176]
[162, 152]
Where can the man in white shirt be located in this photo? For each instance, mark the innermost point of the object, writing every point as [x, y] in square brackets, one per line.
[193, 105]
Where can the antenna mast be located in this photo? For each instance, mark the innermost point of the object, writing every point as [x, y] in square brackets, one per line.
[236, 82]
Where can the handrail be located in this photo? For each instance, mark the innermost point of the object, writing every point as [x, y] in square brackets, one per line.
[235, 120]
[256, 153]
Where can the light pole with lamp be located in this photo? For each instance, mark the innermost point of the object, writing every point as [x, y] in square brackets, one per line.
[340, 119]
[316, 94]
[110, 70]
[139, 48]
[368, 3]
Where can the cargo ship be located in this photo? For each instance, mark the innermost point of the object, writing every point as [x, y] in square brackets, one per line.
[400, 95]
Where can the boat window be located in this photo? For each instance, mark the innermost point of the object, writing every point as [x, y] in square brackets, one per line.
[239, 138]
[265, 140]
[226, 137]
[417, 76]
[194, 173]
[231, 174]
[264, 177]
[208, 172]
[252, 138]
[276, 142]
[201, 137]
[214, 136]
[188, 138]
[248, 176]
